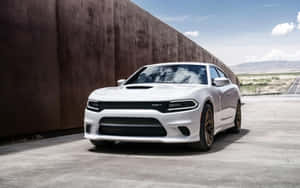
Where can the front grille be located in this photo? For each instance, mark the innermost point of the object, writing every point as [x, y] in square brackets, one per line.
[160, 106]
[117, 126]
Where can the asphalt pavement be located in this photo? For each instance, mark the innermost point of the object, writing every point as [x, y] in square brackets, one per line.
[265, 154]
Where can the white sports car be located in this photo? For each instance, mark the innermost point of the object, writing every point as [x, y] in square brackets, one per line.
[169, 103]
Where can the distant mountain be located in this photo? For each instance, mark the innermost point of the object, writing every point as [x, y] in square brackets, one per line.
[267, 67]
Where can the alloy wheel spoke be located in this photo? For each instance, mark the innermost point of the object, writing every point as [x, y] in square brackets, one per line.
[209, 129]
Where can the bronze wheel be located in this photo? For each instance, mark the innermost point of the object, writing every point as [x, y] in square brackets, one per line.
[209, 127]
[206, 129]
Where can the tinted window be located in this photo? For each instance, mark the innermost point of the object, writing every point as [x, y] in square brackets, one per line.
[180, 74]
[213, 73]
[221, 73]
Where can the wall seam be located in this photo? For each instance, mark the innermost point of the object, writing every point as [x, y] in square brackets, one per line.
[58, 52]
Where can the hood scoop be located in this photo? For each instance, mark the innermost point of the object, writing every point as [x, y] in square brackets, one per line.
[138, 87]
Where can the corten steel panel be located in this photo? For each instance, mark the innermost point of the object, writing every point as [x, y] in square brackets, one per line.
[133, 34]
[164, 42]
[86, 54]
[181, 47]
[130, 21]
[187, 49]
[125, 38]
[29, 74]
[199, 54]
[142, 40]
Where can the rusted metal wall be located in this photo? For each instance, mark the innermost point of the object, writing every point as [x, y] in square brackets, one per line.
[86, 53]
[53, 53]
[29, 71]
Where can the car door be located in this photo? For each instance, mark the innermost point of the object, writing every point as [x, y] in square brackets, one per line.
[228, 99]
[223, 93]
[217, 95]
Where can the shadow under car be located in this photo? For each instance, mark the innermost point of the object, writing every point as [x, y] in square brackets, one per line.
[222, 140]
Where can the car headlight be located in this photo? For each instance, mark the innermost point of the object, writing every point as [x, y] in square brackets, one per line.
[181, 105]
[94, 106]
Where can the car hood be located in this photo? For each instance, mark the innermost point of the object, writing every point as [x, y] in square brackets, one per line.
[146, 92]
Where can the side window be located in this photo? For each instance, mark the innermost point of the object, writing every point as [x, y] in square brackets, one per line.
[221, 73]
[213, 73]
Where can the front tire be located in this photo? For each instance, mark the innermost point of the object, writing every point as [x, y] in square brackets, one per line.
[206, 129]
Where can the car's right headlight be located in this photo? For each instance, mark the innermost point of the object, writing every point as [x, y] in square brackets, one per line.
[93, 105]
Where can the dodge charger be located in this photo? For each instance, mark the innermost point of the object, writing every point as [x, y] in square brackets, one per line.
[180, 102]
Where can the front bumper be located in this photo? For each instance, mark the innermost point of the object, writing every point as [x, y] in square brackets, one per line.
[169, 121]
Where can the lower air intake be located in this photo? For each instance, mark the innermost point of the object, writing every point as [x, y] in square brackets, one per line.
[139, 127]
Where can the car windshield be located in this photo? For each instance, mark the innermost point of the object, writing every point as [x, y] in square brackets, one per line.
[177, 74]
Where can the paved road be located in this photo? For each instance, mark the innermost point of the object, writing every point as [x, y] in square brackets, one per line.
[295, 87]
[265, 154]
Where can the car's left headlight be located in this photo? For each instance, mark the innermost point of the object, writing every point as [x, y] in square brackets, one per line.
[182, 105]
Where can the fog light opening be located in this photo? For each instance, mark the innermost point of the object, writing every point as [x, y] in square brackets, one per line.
[184, 130]
[88, 128]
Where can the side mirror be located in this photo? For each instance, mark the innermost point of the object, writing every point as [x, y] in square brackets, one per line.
[219, 82]
[121, 82]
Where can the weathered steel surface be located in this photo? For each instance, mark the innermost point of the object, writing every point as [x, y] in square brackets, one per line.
[29, 73]
[86, 54]
[53, 53]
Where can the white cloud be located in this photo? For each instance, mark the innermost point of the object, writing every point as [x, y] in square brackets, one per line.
[191, 33]
[275, 54]
[233, 53]
[283, 29]
[237, 49]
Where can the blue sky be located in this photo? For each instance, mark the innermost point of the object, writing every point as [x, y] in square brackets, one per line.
[236, 31]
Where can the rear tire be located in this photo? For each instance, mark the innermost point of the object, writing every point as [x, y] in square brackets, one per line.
[101, 143]
[206, 129]
[237, 119]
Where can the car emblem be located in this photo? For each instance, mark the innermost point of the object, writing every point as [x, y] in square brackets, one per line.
[156, 105]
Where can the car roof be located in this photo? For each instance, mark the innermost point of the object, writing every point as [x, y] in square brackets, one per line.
[179, 63]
